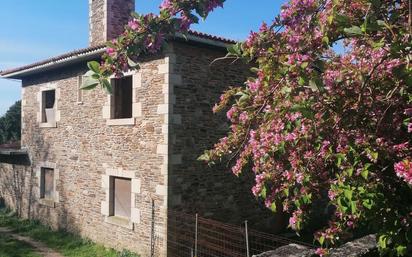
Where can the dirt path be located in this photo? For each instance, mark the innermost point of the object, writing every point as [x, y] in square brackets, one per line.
[39, 247]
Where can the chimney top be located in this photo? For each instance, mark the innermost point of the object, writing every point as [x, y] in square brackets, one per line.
[107, 19]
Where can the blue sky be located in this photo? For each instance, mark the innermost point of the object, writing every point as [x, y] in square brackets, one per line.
[35, 30]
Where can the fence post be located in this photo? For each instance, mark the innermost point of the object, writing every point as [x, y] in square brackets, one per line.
[247, 240]
[152, 233]
[197, 220]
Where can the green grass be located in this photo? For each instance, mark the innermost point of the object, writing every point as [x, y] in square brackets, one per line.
[66, 243]
[10, 247]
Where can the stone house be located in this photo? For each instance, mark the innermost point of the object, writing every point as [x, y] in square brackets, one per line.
[111, 168]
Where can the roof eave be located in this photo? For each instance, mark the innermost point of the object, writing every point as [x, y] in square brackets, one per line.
[96, 54]
[54, 64]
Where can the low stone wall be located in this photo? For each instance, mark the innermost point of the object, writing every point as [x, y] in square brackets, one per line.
[16, 184]
[361, 247]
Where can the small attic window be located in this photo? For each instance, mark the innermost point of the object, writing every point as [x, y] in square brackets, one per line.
[122, 101]
[48, 106]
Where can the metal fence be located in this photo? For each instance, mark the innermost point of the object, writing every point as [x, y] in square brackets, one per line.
[194, 236]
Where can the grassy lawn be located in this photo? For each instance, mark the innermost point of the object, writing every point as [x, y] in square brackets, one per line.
[67, 244]
[13, 248]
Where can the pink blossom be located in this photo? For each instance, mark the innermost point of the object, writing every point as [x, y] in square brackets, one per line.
[213, 4]
[294, 116]
[331, 195]
[243, 117]
[254, 85]
[230, 113]
[110, 51]
[252, 38]
[185, 22]
[299, 178]
[133, 24]
[290, 137]
[401, 147]
[408, 112]
[295, 219]
[321, 252]
[403, 170]
[169, 6]
[324, 148]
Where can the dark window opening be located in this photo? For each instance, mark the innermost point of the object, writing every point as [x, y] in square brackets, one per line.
[122, 98]
[47, 184]
[49, 100]
[121, 197]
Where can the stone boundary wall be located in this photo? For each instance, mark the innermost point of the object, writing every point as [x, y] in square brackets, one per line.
[362, 247]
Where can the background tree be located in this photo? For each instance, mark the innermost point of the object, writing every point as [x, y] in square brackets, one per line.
[10, 124]
[314, 125]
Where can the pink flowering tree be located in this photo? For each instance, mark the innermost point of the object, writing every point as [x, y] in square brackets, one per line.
[315, 125]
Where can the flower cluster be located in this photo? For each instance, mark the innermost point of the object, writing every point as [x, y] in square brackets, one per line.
[404, 170]
[326, 126]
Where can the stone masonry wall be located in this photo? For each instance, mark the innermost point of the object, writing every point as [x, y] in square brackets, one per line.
[213, 192]
[85, 150]
[16, 187]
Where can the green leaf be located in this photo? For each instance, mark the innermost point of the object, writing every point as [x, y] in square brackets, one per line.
[301, 81]
[353, 207]
[374, 155]
[204, 157]
[132, 63]
[94, 66]
[321, 240]
[286, 89]
[304, 65]
[349, 172]
[353, 31]
[339, 158]
[107, 86]
[367, 203]
[273, 207]
[325, 40]
[244, 98]
[263, 192]
[342, 20]
[313, 85]
[89, 83]
[382, 241]
[235, 50]
[89, 73]
[364, 173]
[348, 194]
[286, 192]
[401, 250]
[378, 45]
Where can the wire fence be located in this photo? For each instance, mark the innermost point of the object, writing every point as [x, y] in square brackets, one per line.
[194, 236]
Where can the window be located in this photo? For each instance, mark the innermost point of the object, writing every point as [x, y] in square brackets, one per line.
[122, 100]
[48, 106]
[121, 197]
[47, 184]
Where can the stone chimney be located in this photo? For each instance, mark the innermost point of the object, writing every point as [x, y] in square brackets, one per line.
[107, 19]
